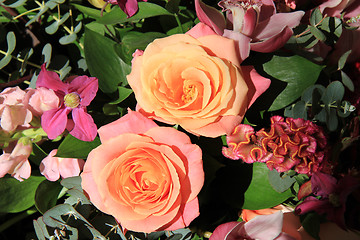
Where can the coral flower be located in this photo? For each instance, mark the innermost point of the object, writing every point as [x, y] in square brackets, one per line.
[75, 96]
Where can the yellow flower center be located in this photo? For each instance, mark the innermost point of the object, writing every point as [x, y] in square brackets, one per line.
[189, 92]
[72, 100]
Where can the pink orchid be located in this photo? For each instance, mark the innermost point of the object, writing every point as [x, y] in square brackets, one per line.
[262, 227]
[53, 167]
[75, 96]
[16, 163]
[129, 7]
[333, 195]
[13, 111]
[255, 24]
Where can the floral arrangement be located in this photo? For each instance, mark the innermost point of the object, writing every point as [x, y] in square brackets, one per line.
[180, 119]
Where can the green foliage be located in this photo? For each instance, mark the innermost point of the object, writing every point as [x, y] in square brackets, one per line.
[71, 147]
[260, 194]
[303, 74]
[46, 195]
[18, 196]
[103, 62]
[11, 42]
[280, 181]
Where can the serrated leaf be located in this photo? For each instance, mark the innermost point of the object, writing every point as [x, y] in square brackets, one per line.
[103, 62]
[71, 147]
[280, 183]
[146, 10]
[318, 33]
[18, 196]
[298, 72]
[315, 17]
[46, 195]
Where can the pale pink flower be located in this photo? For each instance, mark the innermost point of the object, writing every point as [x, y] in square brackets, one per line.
[13, 112]
[41, 99]
[16, 163]
[53, 167]
[254, 24]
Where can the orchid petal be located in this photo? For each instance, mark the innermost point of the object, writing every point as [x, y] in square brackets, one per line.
[86, 87]
[323, 184]
[273, 43]
[243, 42]
[265, 227]
[54, 121]
[223, 230]
[250, 21]
[210, 16]
[312, 204]
[276, 23]
[84, 126]
[50, 80]
[200, 30]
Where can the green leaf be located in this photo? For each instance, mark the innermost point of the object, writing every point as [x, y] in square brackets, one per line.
[46, 195]
[280, 183]
[137, 40]
[300, 110]
[318, 33]
[103, 62]
[347, 81]
[71, 147]
[88, 11]
[51, 29]
[342, 60]
[332, 25]
[18, 196]
[334, 92]
[11, 42]
[146, 10]
[311, 224]
[260, 194]
[297, 71]
[315, 17]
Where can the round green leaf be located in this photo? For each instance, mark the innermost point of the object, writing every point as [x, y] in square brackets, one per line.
[18, 196]
[260, 194]
[46, 195]
[334, 92]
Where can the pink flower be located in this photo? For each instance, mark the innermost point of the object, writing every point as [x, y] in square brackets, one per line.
[16, 163]
[148, 177]
[262, 227]
[294, 143]
[333, 195]
[53, 167]
[254, 24]
[41, 99]
[13, 111]
[129, 7]
[74, 97]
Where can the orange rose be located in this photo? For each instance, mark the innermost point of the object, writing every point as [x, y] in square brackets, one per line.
[147, 180]
[194, 82]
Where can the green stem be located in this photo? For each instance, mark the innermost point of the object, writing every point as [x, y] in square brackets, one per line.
[17, 218]
[178, 22]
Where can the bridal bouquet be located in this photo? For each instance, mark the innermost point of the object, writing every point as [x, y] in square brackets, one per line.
[180, 119]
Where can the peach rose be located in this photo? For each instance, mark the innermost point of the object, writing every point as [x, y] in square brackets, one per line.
[147, 180]
[195, 82]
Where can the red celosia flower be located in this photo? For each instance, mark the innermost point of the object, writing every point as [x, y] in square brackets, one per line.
[294, 143]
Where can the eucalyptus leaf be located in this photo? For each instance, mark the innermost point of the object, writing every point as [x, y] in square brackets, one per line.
[11, 43]
[347, 81]
[67, 39]
[342, 60]
[280, 183]
[298, 72]
[300, 110]
[146, 10]
[71, 147]
[41, 229]
[46, 52]
[315, 17]
[51, 29]
[345, 109]
[103, 62]
[24, 63]
[16, 4]
[334, 92]
[18, 196]
[65, 70]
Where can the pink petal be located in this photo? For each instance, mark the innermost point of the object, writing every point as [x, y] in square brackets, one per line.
[50, 80]
[250, 21]
[276, 23]
[131, 7]
[70, 167]
[243, 43]
[267, 10]
[86, 87]
[22, 170]
[274, 43]
[84, 127]
[265, 227]
[210, 16]
[200, 30]
[311, 204]
[257, 84]
[49, 166]
[5, 164]
[54, 122]
[224, 229]
[133, 122]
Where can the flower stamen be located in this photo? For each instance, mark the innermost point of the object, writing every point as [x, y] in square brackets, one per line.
[72, 100]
